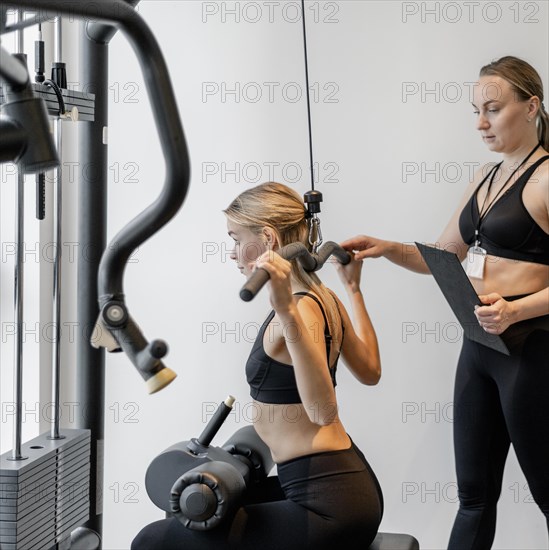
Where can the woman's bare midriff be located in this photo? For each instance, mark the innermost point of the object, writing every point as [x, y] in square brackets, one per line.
[289, 433]
[511, 277]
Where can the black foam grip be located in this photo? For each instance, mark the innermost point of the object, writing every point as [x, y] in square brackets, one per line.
[259, 277]
[254, 284]
[331, 248]
[310, 262]
[202, 497]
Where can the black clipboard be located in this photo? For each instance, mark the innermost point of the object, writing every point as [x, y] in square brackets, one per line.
[460, 294]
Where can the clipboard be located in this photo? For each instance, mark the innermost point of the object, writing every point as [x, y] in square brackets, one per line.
[460, 294]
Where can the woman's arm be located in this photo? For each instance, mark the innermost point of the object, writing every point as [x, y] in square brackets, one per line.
[300, 320]
[498, 314]
[402, 254]
[308, 353]
[360, 349]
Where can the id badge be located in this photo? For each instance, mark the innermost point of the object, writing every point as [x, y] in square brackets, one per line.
[476, 258]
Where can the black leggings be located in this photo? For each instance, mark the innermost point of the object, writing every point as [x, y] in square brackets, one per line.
[324, 500]
[500, 399]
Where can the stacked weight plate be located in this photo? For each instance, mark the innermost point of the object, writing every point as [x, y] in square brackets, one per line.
[46, 496]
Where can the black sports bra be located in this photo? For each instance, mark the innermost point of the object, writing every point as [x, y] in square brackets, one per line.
[507, 230]
[272, 381]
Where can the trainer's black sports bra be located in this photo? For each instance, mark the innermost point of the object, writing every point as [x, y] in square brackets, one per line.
[508, 230]
[272, 381]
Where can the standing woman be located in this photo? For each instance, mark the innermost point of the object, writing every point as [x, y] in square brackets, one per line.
[325, 496]
[501, 229]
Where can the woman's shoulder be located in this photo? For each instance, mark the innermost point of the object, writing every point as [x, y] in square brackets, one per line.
[315, 304]
[538, 182]
[541, 172]
[315, 297]
[308, 299]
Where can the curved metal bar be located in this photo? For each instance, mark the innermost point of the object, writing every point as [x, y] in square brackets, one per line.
[126, 334]
[101, 33]
[332, 249]
[168, 124]
[309, 261]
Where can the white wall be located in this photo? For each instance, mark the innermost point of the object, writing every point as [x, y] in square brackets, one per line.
[372, 129]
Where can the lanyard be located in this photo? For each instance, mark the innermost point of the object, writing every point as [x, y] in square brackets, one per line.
[483, 212]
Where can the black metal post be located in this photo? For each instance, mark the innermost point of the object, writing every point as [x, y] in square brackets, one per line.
[92, 225]
[92, 237]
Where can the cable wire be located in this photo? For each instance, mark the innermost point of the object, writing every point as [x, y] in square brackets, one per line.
[308, 98]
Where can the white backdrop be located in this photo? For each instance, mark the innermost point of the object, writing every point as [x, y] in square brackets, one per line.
[395, 141]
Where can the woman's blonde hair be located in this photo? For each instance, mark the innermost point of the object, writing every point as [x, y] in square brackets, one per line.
[526, 83]
[279, 207]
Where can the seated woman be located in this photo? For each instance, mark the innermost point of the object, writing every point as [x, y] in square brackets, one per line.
[326, 493]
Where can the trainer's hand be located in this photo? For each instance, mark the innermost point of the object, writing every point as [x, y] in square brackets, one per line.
[364, 246]
[497, 315]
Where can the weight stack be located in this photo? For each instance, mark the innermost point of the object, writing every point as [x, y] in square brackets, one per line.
[46, 496]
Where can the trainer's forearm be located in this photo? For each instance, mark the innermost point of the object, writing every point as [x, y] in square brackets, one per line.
[406, 255]
[534, 305]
